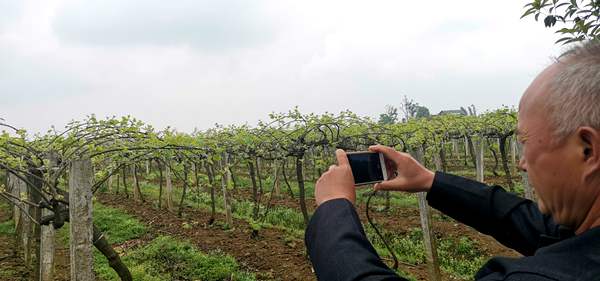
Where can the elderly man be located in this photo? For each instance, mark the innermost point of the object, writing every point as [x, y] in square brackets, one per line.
[559, 237]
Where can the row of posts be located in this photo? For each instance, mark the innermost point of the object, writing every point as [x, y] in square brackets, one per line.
[425, 211]
[37, 242]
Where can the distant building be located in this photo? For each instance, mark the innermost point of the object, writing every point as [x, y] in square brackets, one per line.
[453, 112]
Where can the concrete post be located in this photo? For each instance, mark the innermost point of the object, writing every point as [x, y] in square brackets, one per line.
[433, 265]
[80, 215]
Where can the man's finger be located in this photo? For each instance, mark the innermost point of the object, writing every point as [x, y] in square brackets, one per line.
[342, 158]
[331, 167]
[381, 186]
[387, 151]
[386, 185]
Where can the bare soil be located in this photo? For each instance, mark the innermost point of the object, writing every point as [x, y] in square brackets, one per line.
[272, 255]
[275, 254]
[12, 267]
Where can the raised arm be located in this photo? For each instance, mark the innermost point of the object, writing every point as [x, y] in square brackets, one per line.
[335, 240]
[338, 247]
[513, 221]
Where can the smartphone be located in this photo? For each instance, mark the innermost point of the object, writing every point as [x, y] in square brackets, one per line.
[367, 167]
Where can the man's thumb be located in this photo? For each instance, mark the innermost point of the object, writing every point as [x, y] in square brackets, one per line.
[384, 185]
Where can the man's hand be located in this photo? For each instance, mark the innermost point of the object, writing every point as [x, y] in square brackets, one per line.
[337, 182]
[405, 173]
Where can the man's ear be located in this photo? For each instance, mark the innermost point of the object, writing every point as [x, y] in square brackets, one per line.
[590, 144]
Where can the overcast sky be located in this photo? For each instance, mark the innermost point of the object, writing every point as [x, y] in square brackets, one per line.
[191, 64]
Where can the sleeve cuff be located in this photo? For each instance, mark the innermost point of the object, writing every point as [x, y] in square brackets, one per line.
[456, 195]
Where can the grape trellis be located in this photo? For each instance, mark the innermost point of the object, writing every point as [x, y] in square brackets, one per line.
[50, 178]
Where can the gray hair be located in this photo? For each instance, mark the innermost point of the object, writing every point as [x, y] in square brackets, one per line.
[574, 97]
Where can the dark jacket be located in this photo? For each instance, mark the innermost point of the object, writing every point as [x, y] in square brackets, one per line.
[340, 251]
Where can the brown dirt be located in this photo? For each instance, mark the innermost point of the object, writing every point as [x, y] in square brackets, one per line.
[11, 260]
[273, 255]
[12, 267]
[402, 220]
[62, 266]
[279, 257]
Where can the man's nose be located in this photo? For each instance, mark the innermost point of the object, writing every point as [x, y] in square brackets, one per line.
[522, 165]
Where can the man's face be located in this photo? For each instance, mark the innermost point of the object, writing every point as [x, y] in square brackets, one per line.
[552, 166]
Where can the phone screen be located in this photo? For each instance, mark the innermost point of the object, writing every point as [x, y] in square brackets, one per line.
[366, 167]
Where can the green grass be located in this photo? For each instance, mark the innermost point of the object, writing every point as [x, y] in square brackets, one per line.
[166, 258]
[116, 225]
[460, 257]
[457, 256]
[7, 273]
[280, 217]
[397, 199]
[7, 227]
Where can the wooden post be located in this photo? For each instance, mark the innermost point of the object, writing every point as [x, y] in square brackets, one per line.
[224, 181]
[34, 188]
[513, 152]
[169, 188]
[529, 193]
[479, 152]
[528, 190]
[81, 224]
[276, 177]
[437, 161]
[15, 191]
[137, 193]
[47, 247]
[25, 226]
[455, 148]
[467, 152]
[428, 237]
[110, 183]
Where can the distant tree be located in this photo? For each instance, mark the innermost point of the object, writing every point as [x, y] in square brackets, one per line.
[580, 19]
[412, 109]
[422, 112]
[390, 116]
[472, 110]
[407, 107]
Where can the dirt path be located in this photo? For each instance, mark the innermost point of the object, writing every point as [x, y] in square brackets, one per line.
[401, 220]
[11, 265]
[272, 256]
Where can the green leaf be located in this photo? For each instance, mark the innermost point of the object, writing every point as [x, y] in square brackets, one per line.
[528, 12]
[562, 40]
[574, 3]
[565, 30]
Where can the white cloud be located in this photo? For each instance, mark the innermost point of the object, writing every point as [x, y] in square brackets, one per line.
[194, 63]
[205, 24]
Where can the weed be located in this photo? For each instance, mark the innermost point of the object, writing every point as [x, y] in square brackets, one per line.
[166, 258]
[7, 228]
[117, 225]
